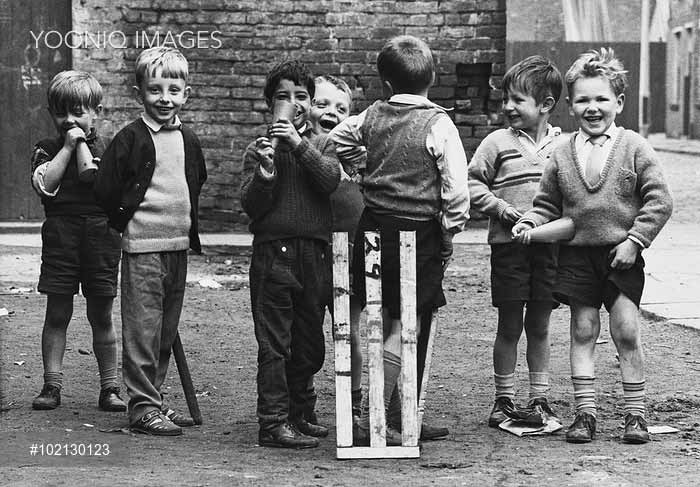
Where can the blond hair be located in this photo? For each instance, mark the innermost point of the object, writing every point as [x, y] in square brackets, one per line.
[70, 89]
[166, 61]
[602, 63]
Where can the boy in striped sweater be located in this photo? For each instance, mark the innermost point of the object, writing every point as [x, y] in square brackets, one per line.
[610, 182]
[503, 178]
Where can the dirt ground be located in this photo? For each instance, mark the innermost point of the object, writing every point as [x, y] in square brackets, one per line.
[217, 334]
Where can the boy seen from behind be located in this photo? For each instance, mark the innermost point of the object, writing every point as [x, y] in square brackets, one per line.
[503, 177]
[415, 179]
[611, 183]
[149, 185]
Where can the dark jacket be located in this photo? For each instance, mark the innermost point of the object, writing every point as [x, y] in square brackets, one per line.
[126, 170]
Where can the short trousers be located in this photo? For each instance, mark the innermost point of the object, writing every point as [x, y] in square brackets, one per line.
[522, 273]
[585, 276]
[77, 250]
[429, 272]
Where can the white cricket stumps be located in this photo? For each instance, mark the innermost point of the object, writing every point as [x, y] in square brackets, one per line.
[341, 327]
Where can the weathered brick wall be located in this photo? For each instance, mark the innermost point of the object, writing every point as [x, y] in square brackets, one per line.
[334, 37]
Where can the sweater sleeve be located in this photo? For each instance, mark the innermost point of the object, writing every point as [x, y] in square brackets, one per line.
[547, 204]
[257, 189]
[317, 157]
[481, 175]
[108, 181]
[657, 203]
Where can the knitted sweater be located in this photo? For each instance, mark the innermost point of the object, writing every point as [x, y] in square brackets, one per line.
[294, 201]
[630, 199]
[402, 177]
[162, 222]
[504, 173]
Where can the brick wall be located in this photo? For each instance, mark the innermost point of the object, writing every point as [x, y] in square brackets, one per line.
[333, 37]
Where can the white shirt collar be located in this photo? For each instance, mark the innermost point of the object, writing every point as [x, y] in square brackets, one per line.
[155, 126]
[418, 100]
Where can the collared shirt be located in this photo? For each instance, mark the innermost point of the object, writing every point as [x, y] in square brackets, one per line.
[442, 142]
[584, 146]
[535, 147]
[156, 126]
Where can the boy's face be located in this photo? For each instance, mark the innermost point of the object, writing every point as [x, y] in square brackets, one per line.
[286, 90]
[330, 106]
[162, 98]
[594, 105]
[522, 111]
[69, 117]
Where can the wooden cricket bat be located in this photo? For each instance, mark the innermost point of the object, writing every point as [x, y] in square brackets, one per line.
[555, 231]
[186, 379]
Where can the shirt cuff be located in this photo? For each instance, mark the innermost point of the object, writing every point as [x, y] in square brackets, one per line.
[267, 174]
[637, 241]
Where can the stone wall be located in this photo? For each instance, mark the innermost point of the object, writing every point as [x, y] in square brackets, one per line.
[239, 41]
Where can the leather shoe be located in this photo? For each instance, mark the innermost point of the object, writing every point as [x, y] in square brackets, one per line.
[360, 436]
[110, 401]
[48, 398]
[311, 429]
[431, 433]
[498, 413]
[285, 435]
[636, 431]
[177, 418]
[582, 430]
[154, 423]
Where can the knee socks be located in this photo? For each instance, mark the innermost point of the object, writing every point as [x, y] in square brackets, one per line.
[505, 385]
[634, 397]
[106, 355]
[539, 384]
[584, 394]
[54, 378]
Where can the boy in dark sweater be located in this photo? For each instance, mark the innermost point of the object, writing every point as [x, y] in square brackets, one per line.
[78, 247]
[149, 184]
[415, 179]
[286, 193]
[610, 182]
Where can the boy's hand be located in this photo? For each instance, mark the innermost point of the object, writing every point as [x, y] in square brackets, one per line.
[73, 136]
[446, 249]
[264, 150]
[623, 255]
[285, 131]
[510, 215]
[519, 232]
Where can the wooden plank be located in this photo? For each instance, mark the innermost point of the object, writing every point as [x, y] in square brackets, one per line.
[426, 368]
[341, 340]
[409, 380]
[375, 338]
[368, 452]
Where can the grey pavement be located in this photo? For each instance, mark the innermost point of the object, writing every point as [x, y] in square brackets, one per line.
[672, 289]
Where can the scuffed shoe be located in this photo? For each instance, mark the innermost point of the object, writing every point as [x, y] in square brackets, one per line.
[154, 423]
[310, 429]
[498, 414]
[360, 436]
[541, 402]
[110, 401]
[636, 431]
[582, 430]
[48, 398]
[177, 418]
[430, 432]
[285, 435]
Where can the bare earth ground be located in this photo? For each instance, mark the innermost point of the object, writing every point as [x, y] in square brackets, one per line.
[217, 334]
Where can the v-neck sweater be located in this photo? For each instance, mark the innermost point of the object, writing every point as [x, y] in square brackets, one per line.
[631, 198]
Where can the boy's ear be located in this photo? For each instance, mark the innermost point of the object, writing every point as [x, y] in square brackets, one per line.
[137, 93]
[98, 109]
[188, 92]
[571, 109]
[548, 104]
[387, 89]
[620, 102]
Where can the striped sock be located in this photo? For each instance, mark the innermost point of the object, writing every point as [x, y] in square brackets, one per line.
[539, 384]
[54, 378]
[505, 385]
[584, 394]
[634, 397]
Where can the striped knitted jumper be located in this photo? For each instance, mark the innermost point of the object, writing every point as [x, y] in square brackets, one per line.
[631, 197]
[401, 178]
[504, 173]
